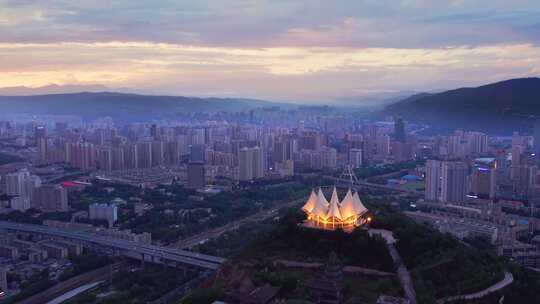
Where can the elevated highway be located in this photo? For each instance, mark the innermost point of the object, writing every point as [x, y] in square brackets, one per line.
[150, 253]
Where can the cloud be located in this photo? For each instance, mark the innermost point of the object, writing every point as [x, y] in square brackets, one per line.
[285, 49]
[302, 73]
[267, 23]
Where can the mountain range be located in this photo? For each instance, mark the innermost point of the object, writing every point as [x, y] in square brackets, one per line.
[56, 89]
[125, 107]
[500, 107]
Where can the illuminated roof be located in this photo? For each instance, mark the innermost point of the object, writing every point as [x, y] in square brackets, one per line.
[310, 204]
[359, 208]
[321, 206]
[347, 206]
[333, 210]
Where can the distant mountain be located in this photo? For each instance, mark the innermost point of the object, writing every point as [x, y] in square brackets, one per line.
[51, 89]
[373, 101]
[125, 107]
[500, 107]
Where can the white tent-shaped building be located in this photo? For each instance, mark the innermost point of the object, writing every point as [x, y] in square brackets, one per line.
[334, 214]
[320, 210]
[347, 206]
[346, 213]
[358, 206]
[310, 204]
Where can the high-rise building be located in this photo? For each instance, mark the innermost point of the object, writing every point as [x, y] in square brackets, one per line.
[144, 154]
[197, 136]
[258, 162]
[524, 180]
[433, 180]
[285, 168]
[21, 184]
[14, 182]
[283, 149]
[101, 137]
[402, 151]
[19, 203]
[208, 136]
[40, 133]
[131, 156]
[328, 157]
[382, 146]
[105, 212]
[454, 181]
[197, 153]
[3, 282]
[183, 144]
[523, 167]
[50, 198]
[81, 155]
[517, 160]
[478, 142]
[454, 146]
[42, 147]
[104, 159]
[196, 175]
[158, 153]
[536, 141]
[250, 163]
[310, 140]
[355, 141]
[355, 158]
[118, 160]
[484, 178]
[171, 153]
[399, 130]
[154, 131]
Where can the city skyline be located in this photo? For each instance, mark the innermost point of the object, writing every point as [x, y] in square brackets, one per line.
[291, 51]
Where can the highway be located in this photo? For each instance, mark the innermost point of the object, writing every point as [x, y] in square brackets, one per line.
[346, 183]
[125, 247]
[194, 240]
[61, 288]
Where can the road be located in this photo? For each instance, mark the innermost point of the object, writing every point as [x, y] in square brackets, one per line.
[125, 247]
[403, 274]
[402, 271]
[73, 293]
[61, 288]
[194, 240]
[346, 183]
[507, 280]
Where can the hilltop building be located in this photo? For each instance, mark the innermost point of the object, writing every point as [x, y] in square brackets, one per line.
[348, 213]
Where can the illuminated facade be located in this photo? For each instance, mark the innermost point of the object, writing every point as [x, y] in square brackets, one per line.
[348, 213]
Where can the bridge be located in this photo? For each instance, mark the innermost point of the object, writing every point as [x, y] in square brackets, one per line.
[151, 253]
[363, 184]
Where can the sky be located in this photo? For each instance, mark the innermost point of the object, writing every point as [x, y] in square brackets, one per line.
[288, 50]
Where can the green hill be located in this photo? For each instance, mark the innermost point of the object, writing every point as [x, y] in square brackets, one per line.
[500, 107]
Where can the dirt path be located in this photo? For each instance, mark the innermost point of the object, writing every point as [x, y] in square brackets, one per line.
[508, 279]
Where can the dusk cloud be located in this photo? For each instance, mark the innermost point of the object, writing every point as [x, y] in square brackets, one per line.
[305, 50]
